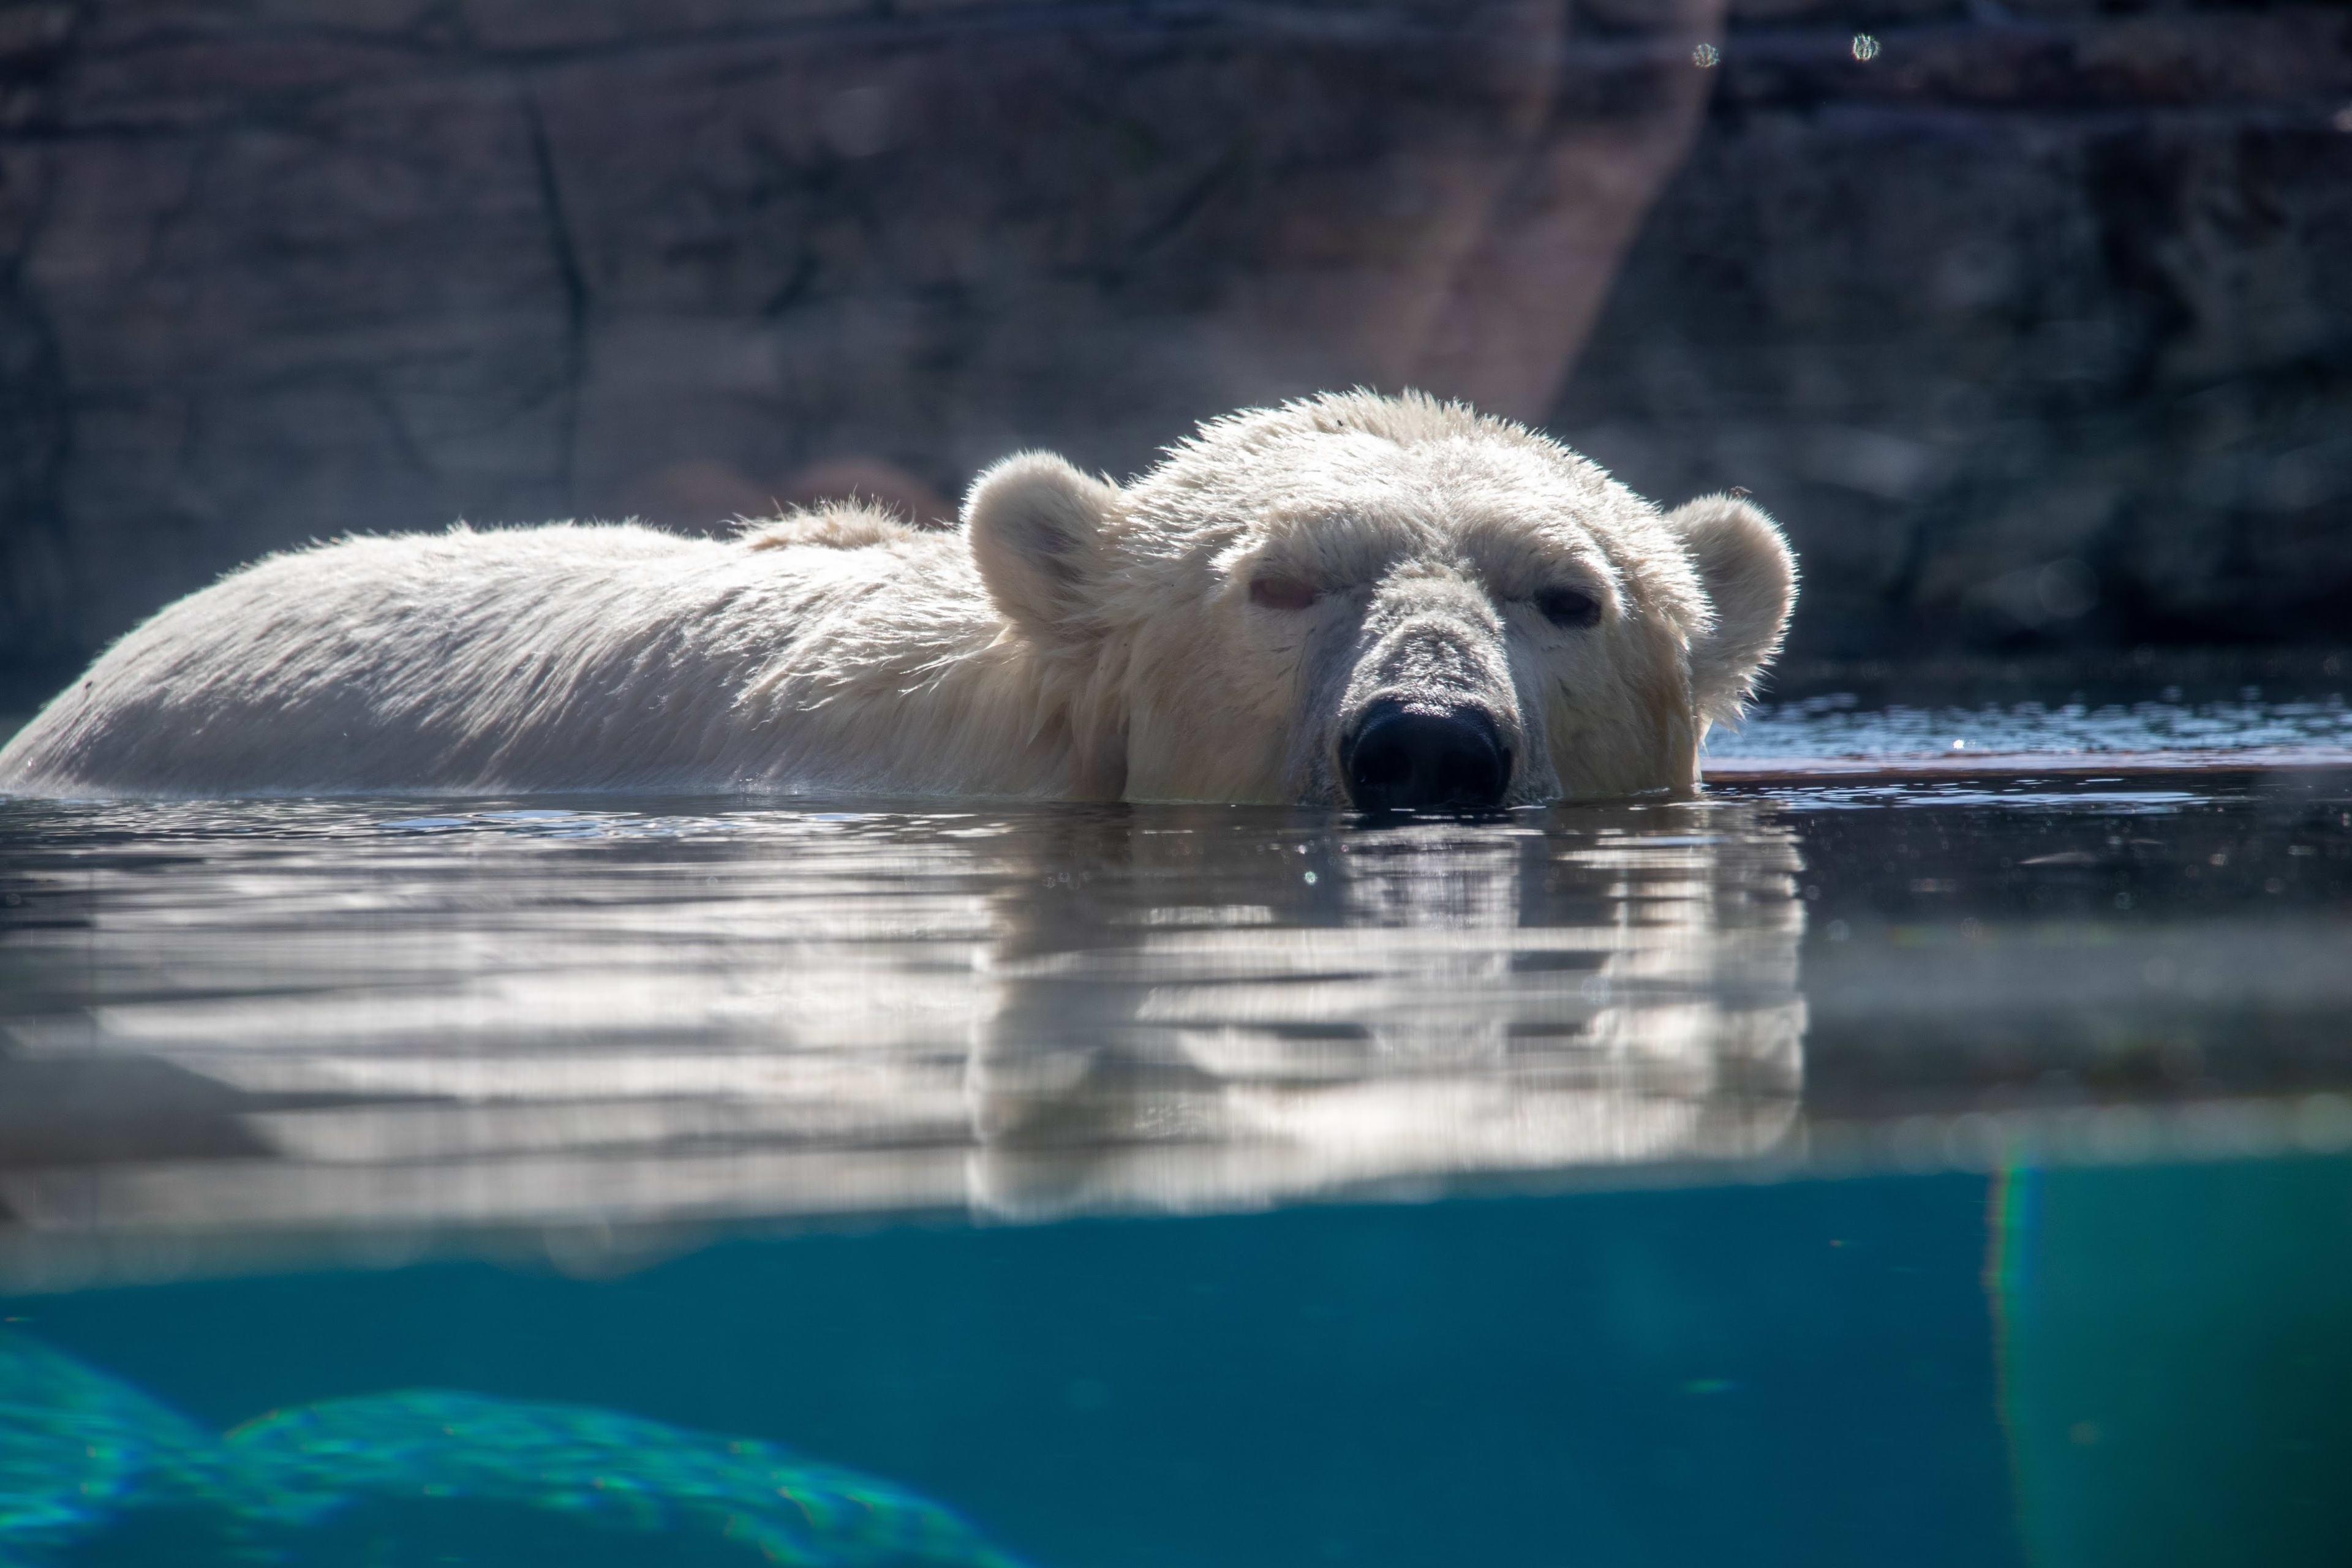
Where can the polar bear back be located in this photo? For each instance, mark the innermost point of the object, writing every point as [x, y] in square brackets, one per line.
[591, 657]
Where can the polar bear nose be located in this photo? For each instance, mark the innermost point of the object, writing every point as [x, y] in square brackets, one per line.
[1405, 759]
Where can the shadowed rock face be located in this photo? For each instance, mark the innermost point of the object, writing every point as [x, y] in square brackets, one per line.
[2029, 327]
[303, 269]
[2026, 325]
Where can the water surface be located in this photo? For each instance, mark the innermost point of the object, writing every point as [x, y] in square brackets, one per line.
[1814, 1173]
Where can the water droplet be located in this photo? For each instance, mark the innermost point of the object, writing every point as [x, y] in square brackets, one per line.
[1310, 879]
[1865, 47]
[856, 123]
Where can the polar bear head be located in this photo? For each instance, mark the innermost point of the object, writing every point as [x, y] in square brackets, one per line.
[1379, 603]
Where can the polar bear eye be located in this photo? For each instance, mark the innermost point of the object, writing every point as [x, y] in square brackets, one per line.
[1281, 592]
[1567, 607]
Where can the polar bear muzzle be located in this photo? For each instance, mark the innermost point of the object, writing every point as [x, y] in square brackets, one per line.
[1425, 757]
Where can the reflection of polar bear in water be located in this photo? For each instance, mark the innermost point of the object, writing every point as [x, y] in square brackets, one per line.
[1355, 599]
[1021, 1009]
[1492, 1001]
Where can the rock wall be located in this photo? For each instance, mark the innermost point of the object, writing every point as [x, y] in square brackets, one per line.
[2032, 325]
[298, 266]
[2035, 326]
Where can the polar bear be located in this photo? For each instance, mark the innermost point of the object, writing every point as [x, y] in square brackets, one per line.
[1352, 600]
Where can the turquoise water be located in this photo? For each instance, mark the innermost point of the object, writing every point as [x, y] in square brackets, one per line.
[1891, 1164]
[2075, 1366]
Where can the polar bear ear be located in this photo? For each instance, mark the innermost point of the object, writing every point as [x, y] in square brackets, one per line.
[1750, 578]
[1036, 527]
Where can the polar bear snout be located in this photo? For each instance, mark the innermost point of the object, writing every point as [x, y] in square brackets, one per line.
[1429, 719]
[1425, 756]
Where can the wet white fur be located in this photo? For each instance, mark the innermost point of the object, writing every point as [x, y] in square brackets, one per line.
[1071, 639]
